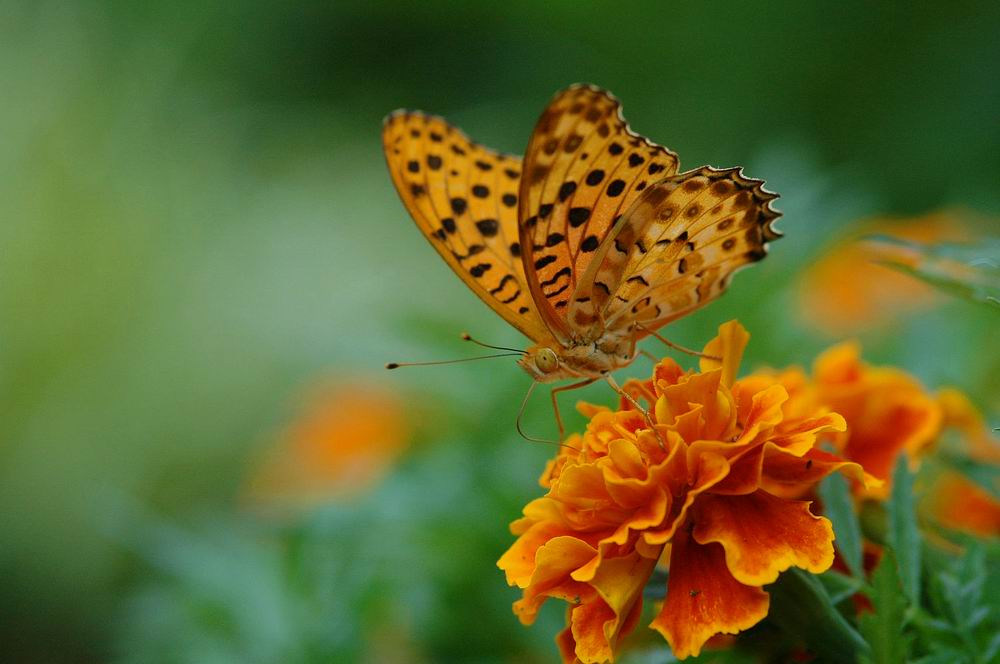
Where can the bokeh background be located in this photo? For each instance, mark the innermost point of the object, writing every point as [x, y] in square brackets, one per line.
[204, 266]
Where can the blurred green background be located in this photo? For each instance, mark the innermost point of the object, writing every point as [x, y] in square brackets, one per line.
[196, 224]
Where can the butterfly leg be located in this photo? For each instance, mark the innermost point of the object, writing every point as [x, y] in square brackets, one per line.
[678, 347]
[635, 404]
[555, 403]
[520, 414]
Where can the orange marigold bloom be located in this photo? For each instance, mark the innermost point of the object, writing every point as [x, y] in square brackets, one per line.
[704, 492]
[342, 442]
[887, 410]
[959, 413]
[953, 500]
[956, 502]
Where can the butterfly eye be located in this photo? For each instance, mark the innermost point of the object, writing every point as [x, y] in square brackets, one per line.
[546, 360]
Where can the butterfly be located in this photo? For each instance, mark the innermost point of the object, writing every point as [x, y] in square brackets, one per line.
[589, 243]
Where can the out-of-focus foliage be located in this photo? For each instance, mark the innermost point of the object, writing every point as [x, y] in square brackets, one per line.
[970, 271]
[196, 223]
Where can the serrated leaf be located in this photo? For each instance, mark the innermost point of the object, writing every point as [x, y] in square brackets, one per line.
[961, 621]
[801, 607]
[904, 535]
[838, 506]
[883, 629]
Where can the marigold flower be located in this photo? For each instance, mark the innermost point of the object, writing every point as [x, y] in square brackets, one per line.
[846, 290]
[705, 492]
[888, 412]
[956, 502]
[344, 440]
[959, 413]
[953, 500]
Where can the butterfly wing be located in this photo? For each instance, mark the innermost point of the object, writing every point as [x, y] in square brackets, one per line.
[583, 168]
[463, 198]
[676, 249]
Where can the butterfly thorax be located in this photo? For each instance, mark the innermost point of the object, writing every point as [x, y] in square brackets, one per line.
[584, 359]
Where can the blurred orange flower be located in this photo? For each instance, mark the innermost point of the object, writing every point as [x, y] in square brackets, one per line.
[956, 502]
[345, 438]
[704, 492]
[953, 500]
[887, 410]
[846, 291]
[959, 413]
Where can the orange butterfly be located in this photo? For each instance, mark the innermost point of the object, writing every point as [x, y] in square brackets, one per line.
[590, 243]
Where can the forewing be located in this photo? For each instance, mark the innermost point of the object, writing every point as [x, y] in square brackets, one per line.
[676, 249]
[463, 198]
[583, 168]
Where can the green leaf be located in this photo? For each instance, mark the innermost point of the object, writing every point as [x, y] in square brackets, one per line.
[904, 535]
[840, 586]
[942, 656]
[969, 271]
[962, 618]
[883, 629]
[801, 607]
[838, 506]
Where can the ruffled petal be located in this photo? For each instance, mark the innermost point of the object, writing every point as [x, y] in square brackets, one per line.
[729, 346]
[789, 476]
[764, 535]
[709, 470]
[703, 598]
[555, 561]
[518, 563]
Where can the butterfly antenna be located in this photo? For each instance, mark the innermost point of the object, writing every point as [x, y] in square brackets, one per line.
[468, 337]
[397, 365]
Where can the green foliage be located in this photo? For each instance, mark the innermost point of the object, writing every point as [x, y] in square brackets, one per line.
[801, 606]
[838, 506]
[970, 271]
[904, 534]
[963, 620]
[883, 628]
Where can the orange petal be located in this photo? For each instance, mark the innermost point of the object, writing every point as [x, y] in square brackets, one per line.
[650, 515]
[744, 473]
[518, 562]
[703, 598]
[839, 364]
[554, 563]
[764, 535]
[956, 502]
[765, 412]
[589, 623]
[696, 389]
[728, 345]
[708, 471]
[599, 621]
[565, 640]
[801, 437]
[787, 475]
[893, 423]
[961, 414]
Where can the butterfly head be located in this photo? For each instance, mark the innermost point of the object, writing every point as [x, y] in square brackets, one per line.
[542, 363]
